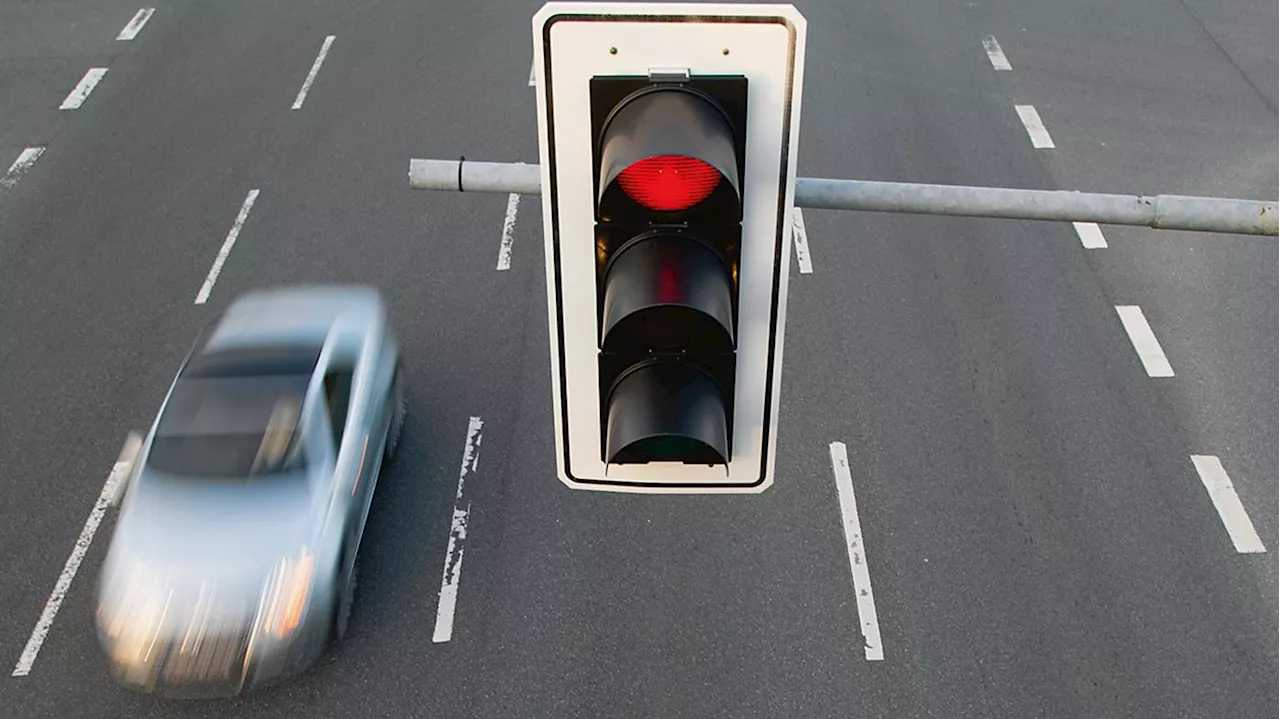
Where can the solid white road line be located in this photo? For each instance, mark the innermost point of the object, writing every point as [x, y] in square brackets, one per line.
[227, 244]
[508, 232]
[25, 160]
[800, 238]
[1144, 341]
[857, 553]
[134, 27]
[82, 90]
[1035, 128]
[1225, 500]
[532, 64]
[315, 69]
[119, 472]
[1090, 235]
[995, 54]
[457, 537]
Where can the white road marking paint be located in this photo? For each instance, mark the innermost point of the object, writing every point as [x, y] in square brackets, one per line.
[1090, 235]
[227, 244]
[315, 70]
[134, 27]
[457, 537]
[1144, 341]
[25, 160]
[508, 232]
[995, 54]
[533, 64]
[1035, 128]
[800, 238]
[857, 553]
[82, 90]
[1225, 500]
[119, 472]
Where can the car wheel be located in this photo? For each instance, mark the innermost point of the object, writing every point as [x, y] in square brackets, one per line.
[342, 615]
[397, 418]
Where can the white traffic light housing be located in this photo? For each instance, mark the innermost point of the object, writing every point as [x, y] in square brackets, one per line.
[668, 136]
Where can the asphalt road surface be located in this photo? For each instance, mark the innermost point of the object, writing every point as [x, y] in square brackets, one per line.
[1020, 438]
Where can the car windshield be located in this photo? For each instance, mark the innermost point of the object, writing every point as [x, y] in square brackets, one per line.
[231, 427]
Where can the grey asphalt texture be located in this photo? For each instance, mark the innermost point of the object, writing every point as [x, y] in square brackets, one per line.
[1037, 537]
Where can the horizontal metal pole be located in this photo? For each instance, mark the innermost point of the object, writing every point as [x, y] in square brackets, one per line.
[469, 176]
[1162, 212]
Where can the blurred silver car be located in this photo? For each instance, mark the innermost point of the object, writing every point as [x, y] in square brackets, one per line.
[233, 558]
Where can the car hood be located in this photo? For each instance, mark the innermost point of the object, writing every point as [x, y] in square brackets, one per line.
[202, 547]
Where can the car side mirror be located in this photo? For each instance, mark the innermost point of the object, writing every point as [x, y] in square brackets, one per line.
[122, 472]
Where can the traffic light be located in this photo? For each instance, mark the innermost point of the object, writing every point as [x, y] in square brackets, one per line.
[668, 159]
[668, 226]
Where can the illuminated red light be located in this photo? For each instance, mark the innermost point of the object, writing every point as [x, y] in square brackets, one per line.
[669, 183]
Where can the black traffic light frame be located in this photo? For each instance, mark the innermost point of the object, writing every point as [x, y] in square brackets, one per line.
[728, 93]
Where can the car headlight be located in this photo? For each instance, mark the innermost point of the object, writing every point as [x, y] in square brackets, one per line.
[131, 619]
[285, 598]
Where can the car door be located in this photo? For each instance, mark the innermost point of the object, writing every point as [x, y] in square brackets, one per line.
[356, 396]
[368, 420]
[336, 381]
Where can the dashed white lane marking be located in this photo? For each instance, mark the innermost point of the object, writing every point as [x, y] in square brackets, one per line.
[857, 554]
[1035, 128]
[457, 537]
[1090, 235]
[227, 244]
[1144, 341]
[1225, 500]
[995, 54]
[800, 238]
[82, 90]
[315, 70]
[508, 232]
[119, 471]
[134, 27]
[25, 160]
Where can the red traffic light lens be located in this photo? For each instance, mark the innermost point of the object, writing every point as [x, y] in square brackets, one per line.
[669, 183]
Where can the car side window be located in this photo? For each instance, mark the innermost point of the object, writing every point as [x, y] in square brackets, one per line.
[337, 390]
